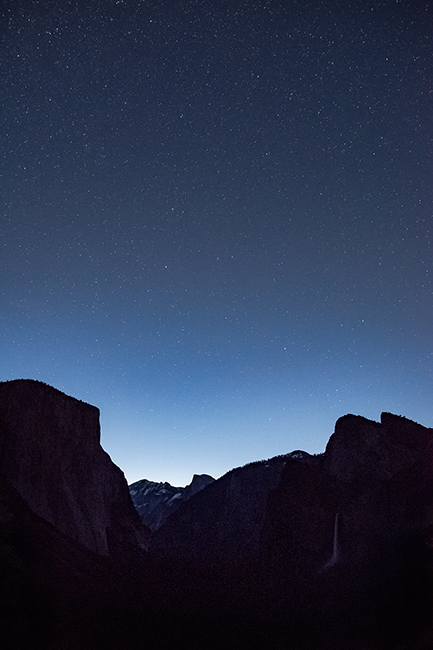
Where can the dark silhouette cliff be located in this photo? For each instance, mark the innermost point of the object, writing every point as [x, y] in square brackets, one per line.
[56, 593]
[347, 540]
[50, 453]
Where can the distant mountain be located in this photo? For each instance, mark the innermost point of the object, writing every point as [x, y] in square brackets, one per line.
[154, 502]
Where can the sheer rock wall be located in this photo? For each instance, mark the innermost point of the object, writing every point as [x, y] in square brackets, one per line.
[51, 454]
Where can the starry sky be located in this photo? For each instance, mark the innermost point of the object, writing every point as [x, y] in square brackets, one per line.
[216, 219]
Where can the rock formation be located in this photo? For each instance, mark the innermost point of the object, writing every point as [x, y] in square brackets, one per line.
[55, 593]
[51, 454]
[154, 501]
[349, 538]
[360, 448]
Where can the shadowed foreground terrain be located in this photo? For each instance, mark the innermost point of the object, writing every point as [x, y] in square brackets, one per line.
[298, 552]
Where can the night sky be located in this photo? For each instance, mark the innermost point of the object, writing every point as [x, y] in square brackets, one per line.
[216, 219]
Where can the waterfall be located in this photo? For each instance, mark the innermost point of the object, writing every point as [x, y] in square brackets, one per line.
[335, 552]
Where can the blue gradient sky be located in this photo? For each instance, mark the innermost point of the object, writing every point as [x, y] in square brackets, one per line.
[216, 220]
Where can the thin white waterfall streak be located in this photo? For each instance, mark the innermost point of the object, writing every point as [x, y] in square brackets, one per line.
[335, 552]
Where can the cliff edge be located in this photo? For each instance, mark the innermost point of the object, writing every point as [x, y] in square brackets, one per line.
[50, 453]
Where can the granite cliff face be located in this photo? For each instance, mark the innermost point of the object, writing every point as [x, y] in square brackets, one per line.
[51, 454]
[375, 479]
[348, 539]
[360, 448]
[56, 593]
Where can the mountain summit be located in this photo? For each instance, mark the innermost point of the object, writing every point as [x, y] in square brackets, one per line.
[154, 501]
